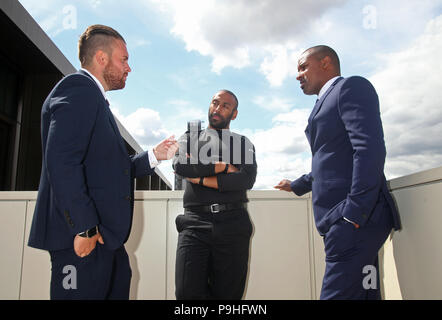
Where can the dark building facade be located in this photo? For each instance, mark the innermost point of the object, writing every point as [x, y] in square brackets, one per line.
[30, 66]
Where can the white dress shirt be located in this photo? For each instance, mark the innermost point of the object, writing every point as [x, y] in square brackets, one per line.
[326, 86]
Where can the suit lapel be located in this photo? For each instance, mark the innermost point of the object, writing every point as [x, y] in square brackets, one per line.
[109, 115]
[316, 108]
[115, 127]
[319, 104]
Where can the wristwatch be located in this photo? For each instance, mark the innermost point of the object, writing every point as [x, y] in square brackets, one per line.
[226, 168]
[89, 233]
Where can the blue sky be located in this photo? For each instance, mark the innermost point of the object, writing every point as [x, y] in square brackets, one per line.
[182, 52]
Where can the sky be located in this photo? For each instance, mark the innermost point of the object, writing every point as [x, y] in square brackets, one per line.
[182, 52]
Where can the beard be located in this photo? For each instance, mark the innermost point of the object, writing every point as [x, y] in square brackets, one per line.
[221, 123]
[115, 80]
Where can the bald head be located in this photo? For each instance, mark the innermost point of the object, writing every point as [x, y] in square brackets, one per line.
[316, 66]
[322, 51]
[233, 96]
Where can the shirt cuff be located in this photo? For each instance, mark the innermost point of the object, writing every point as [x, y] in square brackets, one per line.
[153, 161]
[353, 223]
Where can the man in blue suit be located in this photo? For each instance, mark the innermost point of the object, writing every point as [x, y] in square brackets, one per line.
[87, 180]
[353, 209]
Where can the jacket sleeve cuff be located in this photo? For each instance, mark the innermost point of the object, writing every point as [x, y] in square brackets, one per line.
[301, 186]
[354, 213]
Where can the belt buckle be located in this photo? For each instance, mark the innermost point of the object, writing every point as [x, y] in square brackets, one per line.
[212, 208]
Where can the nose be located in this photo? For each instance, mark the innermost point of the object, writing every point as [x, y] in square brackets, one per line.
[299, 76]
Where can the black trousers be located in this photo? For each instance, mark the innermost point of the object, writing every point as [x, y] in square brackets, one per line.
[212, 255]
[103, 274]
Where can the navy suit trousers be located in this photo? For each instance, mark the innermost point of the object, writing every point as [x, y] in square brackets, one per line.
[352, 268]
[103, 274]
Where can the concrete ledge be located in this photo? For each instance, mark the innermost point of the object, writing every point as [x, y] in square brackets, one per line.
[415, 179]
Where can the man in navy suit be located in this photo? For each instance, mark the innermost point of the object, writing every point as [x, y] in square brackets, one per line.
[353, 209]
[87, 180]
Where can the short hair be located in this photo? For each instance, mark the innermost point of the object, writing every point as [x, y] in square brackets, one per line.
[96, 37]
[323, 51]
[232, 94]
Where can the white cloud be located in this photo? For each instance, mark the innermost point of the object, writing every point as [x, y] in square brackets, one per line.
[286, 137]
[184, 111]
[271, 33]
[144, 125]
[273, 103]
[228, 31]
[410, 93]
[281, 151]
[281, 64]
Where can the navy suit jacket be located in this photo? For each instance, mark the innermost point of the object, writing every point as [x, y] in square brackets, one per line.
[348, 154]
[87, 176]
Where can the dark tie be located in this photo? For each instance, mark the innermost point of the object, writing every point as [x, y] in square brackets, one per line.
[316, 106]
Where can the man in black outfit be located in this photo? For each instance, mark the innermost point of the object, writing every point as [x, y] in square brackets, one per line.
[215, 229]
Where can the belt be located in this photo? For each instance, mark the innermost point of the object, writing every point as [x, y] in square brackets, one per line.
[217, 208]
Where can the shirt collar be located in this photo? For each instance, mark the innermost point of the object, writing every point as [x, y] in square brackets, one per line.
[326, 86]
[96, 81]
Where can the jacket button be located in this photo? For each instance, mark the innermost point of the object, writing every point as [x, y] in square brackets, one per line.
[128, 198]
[126, 172]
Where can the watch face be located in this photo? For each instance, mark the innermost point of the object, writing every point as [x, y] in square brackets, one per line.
[92, 232]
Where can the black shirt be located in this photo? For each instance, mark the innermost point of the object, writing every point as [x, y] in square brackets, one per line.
[207, 147]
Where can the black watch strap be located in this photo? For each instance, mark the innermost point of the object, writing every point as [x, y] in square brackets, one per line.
[226, 168]
[201, 182]
[89, 233]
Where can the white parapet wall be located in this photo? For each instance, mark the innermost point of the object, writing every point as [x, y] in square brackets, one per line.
[413, 256]
[286, 253]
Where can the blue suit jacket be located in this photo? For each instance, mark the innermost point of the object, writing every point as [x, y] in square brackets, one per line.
[87, 176]
[348, 154]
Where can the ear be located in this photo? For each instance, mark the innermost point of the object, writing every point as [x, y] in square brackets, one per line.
[235, 113]
[326, 62]
[101, 58]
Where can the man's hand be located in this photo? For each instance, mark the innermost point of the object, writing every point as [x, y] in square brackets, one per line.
[84, 246]
[166, 149]
[284, 185]
[193, 180]
[220, 166]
